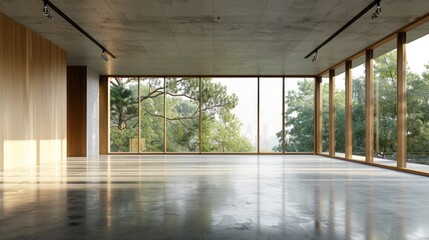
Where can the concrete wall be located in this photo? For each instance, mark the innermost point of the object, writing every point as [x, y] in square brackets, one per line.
[92, 116]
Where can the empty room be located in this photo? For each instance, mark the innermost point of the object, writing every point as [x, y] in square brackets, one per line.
[214, 119]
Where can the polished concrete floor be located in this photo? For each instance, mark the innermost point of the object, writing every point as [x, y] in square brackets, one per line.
[212, 197]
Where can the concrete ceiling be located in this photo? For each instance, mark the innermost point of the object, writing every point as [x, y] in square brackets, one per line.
[217, 37]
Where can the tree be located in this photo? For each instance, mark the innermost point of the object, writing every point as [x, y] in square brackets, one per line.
[221, 128]
[418, 116]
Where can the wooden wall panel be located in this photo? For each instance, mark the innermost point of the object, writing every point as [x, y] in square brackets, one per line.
[104, 115]
[76, 111]
[33, 97]
[2, 90]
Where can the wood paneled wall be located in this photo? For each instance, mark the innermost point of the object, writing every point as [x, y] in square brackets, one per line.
[104, 115]
[76, 111]
[32, 97]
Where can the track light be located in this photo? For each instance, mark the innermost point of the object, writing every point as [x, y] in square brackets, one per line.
[377, 12]
[315, 56]
[104, 56]
[45, 9]
[360, 14]
[46, 12]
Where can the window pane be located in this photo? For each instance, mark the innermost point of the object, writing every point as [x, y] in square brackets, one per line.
[229, 114]
[183, 113]
[123, 114]
[299, 114]
[340, 112]
[358, 108]
[418, 99]
[270, 114]
[325, 114]
[152, 114]
[385, 108]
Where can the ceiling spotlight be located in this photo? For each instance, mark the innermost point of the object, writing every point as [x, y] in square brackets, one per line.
[104, 56]
[377, 11]
[315, 56]
[45, 9]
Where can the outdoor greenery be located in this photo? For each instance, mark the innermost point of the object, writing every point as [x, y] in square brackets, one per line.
[221, 128]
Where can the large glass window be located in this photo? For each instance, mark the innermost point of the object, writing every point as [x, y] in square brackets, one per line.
[418, 99]
[123, 114]
[358, 108]
[385, 105]
[299, 114]
[229, 113]
[325, 114]
[152, 114]
[183, 112]
[340, 112]
[270, 114]
[168, 111]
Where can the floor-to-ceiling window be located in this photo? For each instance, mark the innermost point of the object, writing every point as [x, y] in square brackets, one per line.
[212, 115]
[182, 114]
[325, 114]
[270, 114]
[299, 115]
[385, 112]
[151, 114]
[340, 111]
[123, 114]
[358, 108]
[229, 114]
[418, 98]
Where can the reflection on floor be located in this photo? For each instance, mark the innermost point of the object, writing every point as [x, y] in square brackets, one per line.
[212, 197]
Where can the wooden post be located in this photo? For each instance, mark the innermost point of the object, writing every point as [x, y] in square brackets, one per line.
[332, 112]
[283, 116]
[401, 98]
[165, 116]
[200, 116]
[257, 120]
[369, 106]
[348, 124]
[318, 115]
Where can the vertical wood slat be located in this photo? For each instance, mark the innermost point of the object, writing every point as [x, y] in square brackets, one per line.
[257, 120]
[76, 111]
[200, 116]
[318, 115]
[401, 101]
[139, 150]
[165, 116]
[283, 115]
[332, 112]
[348, 124]
[2, 90]
[104, 145]
[369, 106]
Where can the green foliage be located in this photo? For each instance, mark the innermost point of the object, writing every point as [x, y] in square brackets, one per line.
[299, 119]
[299, 115]
[221, 128]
